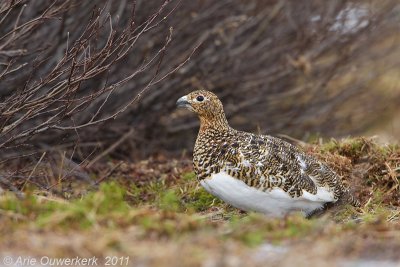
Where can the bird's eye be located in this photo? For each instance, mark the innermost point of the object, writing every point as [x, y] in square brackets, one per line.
[200, 98]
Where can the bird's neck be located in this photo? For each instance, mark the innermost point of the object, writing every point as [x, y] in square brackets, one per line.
[214, 123]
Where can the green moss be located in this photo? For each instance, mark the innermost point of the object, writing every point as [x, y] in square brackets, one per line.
[345, 214]
[256, 228]
[107, 208]
[201, 200]
[29, 206]
[102, 206]
[84, 211]
[252, 239]
[169, 200]
[148, 193]
[189, 176]
[352, 148]
[171, 224]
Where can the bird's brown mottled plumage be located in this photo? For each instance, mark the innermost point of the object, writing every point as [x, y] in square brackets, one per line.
[260, 161]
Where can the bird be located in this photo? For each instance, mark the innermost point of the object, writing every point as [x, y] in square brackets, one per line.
[259, 173]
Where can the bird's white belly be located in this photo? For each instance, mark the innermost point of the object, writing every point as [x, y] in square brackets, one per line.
[275, 202]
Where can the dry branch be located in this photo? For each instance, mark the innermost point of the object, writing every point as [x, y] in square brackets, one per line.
[68, 86]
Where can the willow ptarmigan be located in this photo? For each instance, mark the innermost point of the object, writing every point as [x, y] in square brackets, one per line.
[257, 172]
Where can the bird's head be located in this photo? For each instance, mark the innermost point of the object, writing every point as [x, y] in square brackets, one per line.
[202, 102]
[206, 105]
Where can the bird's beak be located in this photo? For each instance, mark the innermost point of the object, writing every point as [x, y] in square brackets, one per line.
[183, 102]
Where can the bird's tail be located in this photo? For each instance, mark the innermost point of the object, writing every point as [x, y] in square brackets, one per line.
[349, 198]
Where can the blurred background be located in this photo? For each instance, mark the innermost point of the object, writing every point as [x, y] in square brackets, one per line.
[100, 75]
